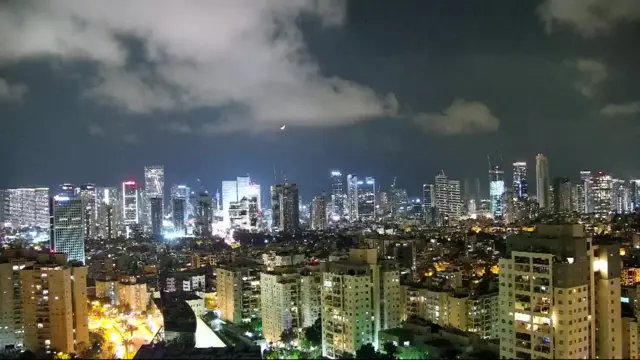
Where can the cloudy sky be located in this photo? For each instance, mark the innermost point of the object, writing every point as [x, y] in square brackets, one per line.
[91, 91]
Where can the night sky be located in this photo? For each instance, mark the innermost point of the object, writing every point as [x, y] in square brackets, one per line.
[91, 91]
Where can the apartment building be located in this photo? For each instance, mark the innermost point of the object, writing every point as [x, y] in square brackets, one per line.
[134, 294]
[360, 297]
[11, 313]
[238, 288]
[560, 296]
[290, 300]
[478, 314]
[54, 303]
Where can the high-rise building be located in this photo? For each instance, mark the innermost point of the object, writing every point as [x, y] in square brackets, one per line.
[352, 197]
[447, 198]
[156, 216]
[109, 212]
[367, 199]
[542, 181]
[585, 179]
[229, 194]
[560, 296]
[242, 184]
[578, 198]
[89, 196]
[54, 304]
[601, 194]
[243, 214]
[204, 214]
[399, 201]
[67, 190]
[634, 190]
[319, 213]
[520, 184]
[26, 207]
[130, 208]
[154, 181]
[238, 293]
[496, 192]
[360, 297]
[337, 195]
[285, 207]
[68, 226]
[620, 197]
[429, 203]
[562, 201]
[179, 205]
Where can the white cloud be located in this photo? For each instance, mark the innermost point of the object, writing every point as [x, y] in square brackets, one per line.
[462, 117]
[588, 17]
[95, 130]
[246, 56]
[590, 74]
[11, 92]
[627, 109]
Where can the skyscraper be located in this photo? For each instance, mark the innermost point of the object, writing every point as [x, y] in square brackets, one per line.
[130, 210]
[179, 205]
[496, 191]
[585, 179]
[542, 181]
[520, 185]
[447, 198]
[154, 181]
[229, 194]
[562, 194]
[204, 214]
[89, 196]
[26, 207]
[429, 203]
[601, 194]
[285, 207]
[68, 226]
[337, 194]
[319, 212]
[367, 199]
[109, 212]
[352, 197]
[155, 205]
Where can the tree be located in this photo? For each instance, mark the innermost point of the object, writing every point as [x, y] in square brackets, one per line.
[313, 333]
[367, 351]
[390, 350]
[287, 336]
[412, 353]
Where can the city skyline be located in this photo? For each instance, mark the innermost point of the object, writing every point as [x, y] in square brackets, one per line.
[554, 82]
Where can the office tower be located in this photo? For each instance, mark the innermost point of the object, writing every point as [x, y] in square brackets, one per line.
[183, 192]
[601, 194]
[254, 193]
[352, 197]
[496, 191]
[154, 181]
[634, 190]
[179, 205]
[204, 214]
[560, 296]
[238, 292]
[337, 195]
[447, 198]
[156, 216]
[542, 181]
[108, 212]
[319, 213]
[67, 190]
[367, 199]
[578, 198]
[562, 195]
[89, 198]
[54, 303]
[26, 207]
[429, 203]
[520, 185]
[620, 197]
[68, 227]
[360, 297]
[243, 214]
[285, 207]
[399, 201]
[585, 179]
[130, 209]
[229, 194]
[242, 184]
